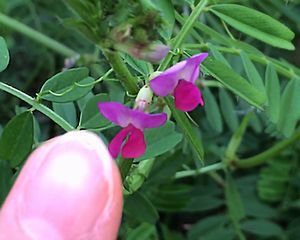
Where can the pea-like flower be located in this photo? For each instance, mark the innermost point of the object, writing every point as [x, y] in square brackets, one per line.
[179, 80]
[133, 121]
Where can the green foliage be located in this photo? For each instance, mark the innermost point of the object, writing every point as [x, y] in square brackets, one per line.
[194, 181]
[4, 53]
[17, 138]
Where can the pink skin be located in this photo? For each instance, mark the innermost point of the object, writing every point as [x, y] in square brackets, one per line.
[179, 80]
[69, 189]
[133, 123]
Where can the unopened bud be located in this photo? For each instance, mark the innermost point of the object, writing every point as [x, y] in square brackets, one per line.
[144, 99]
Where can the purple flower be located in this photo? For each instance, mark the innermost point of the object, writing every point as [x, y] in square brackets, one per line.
[133, 123]
[179, 80]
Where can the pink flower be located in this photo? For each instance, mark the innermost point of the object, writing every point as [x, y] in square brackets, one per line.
[133, 123]
[179, 80]
[69, 188]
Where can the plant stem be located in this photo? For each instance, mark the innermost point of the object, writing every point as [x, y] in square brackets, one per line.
[122, 71]
[268, 154]
[186, 28]
[190, 173]
[38, 106]
[36, 36]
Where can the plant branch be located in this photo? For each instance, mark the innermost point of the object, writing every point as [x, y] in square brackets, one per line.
[122, 71]
[207, 169]
[38, 106]
[268, 154]
[36, 36]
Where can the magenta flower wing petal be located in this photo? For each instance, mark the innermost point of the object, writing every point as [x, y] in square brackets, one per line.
[143, 120]
[191, 70]
[115, 112]
[164, 83]
[187, 96]
[116, 144]
[135, 146]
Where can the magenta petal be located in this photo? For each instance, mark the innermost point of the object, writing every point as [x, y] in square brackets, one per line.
[135, 146]
[143, 120]
[116, 144]
[115, 112]
[191, 70]
[165, 83]
[187, 96]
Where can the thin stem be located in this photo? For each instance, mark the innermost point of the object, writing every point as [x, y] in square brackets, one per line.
[122, 71]
[186, 28]
[208, 169]
[36, 36]
[268, 154]
[38, 106]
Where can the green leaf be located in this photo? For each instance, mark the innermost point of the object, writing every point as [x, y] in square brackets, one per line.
[228, 110]
[143, 232]
[167, 10]
[203, 203]
[138, 206]
[206, 225]
[138, 65]
[256, 24]
[262, 228]
[17, 138]
[212, 111]
[67, 86]
[237, 137]
[234, 82]
[187, 129]
[217, 55]
[252, 72]
[90, 117]
[160, 140]
[289, 108]
[67, 111]
[4, 60]
[233, 200]
[273, 93]
[5, 177]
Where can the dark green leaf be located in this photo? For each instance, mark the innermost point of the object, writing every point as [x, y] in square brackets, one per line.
[289, 108]
[228, 110]
[67, 111]
[91, 117]
[252, 72]
[138, 206]
[143, 232]
[233, 200]
[160, 140]
[234, 82]
[5, 177]
[262, 228]
[17, 138]
[67, 86]
[212, 111]
[4, 59]
[255, 24]
[273, 93]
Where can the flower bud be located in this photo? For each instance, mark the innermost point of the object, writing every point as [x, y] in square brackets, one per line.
[144, 99]
[154, 52]
[69, 188]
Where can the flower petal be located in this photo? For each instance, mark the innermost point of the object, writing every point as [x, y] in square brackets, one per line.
[135, 146]
[187, 96]
[143, 120]
[115, 112]
[191, 70]
[165, 82]
[116, 144]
